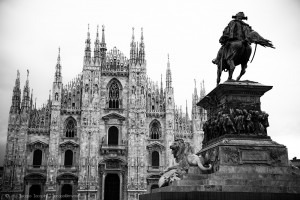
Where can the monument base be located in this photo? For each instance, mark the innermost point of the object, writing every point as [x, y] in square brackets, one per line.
[242, 168]
[196, 195]
[247, 163]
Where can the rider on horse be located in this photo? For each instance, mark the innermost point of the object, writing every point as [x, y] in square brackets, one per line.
[236, 30]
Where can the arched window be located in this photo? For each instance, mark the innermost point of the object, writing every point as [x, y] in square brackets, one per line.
[37, 158]
[56, 96]
[114, 95]
[86, 88]
[68, 158]
[153, 103]
[95, 89]
[155, 130]
[113, 136]
[70, 128]
[142, 90]
[155, 160]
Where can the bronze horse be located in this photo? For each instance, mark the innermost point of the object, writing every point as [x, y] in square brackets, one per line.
[238, 53]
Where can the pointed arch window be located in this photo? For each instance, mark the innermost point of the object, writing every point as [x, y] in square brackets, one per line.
[71, 126]
[155, 131]
[142, 90]
[96, 89]
[114, 92]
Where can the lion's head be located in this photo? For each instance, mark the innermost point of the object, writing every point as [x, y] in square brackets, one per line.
[180, 149]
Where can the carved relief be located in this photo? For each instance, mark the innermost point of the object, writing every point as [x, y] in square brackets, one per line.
[277, 155]
[247, 122]
[112, 164]
[212, 157]
[37, 145]
[231, 155]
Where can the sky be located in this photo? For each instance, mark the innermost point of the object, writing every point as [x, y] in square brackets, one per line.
[31, 32]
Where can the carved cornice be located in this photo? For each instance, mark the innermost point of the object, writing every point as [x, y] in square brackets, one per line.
[115, 164]
[119, 110]
[113, 116]
[67, 176]
[68, 145]
[155, 146]
[37, 145]
[157, 114]
[114, 73]
[35, 176]
[70, 111]
[113, 150]
[42, 131]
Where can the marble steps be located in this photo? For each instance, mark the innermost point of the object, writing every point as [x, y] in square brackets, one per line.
[229, 188]
[238, 182]
[247, 176]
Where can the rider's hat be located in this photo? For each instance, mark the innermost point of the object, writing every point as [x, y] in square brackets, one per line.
[240, 14]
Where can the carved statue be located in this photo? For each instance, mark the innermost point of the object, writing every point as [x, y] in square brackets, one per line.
[184, 158]
[237, 122]
[236, 50]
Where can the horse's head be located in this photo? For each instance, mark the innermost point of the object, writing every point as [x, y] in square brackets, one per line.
[254, 37]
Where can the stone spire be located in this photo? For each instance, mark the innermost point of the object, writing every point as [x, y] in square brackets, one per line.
[16, 98]
[31, 100]
[195, 92]
[168, 76]
[161, 88]
[202, 111]
[97, 47]
[137, 52]
[87, 51]
[195, 100]
[186, 111]
[103, 45]
[195, 97]
[26, 96]
[132, 47]
[202, 90]
[57, 76]
[142, 48]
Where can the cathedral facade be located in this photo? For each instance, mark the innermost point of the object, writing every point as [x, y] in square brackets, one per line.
[104, 135]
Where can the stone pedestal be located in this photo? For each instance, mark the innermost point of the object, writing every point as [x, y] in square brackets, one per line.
[247, 163]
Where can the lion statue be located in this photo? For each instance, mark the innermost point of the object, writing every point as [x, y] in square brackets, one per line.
[184, 157]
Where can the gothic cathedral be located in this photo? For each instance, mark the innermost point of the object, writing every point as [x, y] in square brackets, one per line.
[104, 135]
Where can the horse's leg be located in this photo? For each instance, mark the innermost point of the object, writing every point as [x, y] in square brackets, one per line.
[231, 70]
[243, 70]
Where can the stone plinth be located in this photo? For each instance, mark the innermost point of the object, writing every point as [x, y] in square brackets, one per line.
[234, 95]
[247, 163]
[234, 110]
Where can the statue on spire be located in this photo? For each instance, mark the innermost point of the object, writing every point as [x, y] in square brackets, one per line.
[236, 46]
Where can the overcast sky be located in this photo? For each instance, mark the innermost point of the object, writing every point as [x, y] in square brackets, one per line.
[31, 32]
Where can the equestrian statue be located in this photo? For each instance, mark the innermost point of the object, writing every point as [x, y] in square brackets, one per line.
[236, 46]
